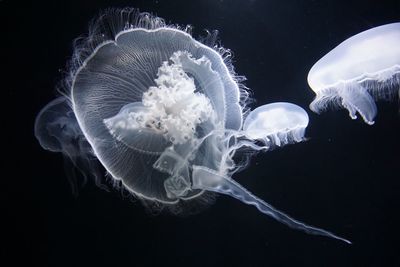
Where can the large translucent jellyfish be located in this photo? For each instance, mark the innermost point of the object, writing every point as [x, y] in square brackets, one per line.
[164, 113]
[362, 68]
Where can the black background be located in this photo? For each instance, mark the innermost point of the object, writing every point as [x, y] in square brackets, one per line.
[344, 179]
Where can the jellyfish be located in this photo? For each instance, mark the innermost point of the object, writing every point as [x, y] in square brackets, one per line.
[277, 124]
[363, 68]
[57, 130]
[166, 114]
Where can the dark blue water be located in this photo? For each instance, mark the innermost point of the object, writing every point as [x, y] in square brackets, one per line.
[345, 178]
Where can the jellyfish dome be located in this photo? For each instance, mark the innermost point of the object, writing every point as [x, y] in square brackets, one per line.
[363, 68]
[278, 123]
[57, 129]
[165, 114]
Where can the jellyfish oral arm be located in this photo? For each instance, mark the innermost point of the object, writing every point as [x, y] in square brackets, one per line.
[356, 99]
[207, 179]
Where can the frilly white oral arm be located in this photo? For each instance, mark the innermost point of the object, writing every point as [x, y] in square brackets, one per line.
[207, 179]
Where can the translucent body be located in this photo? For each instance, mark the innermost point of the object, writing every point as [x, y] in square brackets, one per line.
[164, 113]
[56, 128]
[278, 123]
[118, 74]
[362, 68]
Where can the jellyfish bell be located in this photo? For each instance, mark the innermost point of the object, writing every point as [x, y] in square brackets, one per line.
[363, 68]
[164, 113]
[150, 88]
[57, 130]
[278, 123]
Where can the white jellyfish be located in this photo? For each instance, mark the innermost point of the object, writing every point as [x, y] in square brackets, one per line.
[278, 123]
[362, 68]
[164, 113]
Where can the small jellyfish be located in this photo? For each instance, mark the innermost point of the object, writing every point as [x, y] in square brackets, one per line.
[363, 68]
[280, 123]
[165, 114]
[57, 130]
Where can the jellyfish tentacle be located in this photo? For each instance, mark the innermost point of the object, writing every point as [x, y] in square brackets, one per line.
[245, 143]
[207, 179]
[355, 98]
[232, 150]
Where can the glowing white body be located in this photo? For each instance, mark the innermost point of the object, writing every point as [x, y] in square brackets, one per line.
[278, 123]
[368, 62]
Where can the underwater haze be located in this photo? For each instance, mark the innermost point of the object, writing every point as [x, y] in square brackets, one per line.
[180, 129]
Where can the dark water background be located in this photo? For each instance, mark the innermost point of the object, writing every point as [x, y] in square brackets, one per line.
[344, 179]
